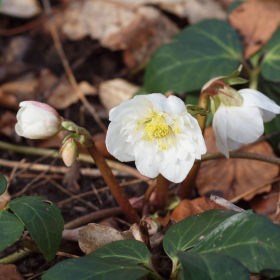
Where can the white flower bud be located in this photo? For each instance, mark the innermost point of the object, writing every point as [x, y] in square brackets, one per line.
[158, 133]
[69, 152]
[37, 120]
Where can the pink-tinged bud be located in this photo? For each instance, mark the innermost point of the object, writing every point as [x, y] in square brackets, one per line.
[37, 120]
[69, 152]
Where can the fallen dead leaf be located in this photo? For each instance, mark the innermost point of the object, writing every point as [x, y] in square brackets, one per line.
[15, 68]
[62, 94]
[19, 8]
[266, 204]
[256, 21]
[17, 49]
[24, 88]
[229, 178]
[99, 141]
[7, 123]
[113, 92]
[9, 272]
[188, 208]
[71, 178]
[140, 30]
[192, 9]
[94, 236]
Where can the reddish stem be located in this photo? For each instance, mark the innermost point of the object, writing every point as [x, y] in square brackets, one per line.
[113, 184]
[162, 189]
[187, 185]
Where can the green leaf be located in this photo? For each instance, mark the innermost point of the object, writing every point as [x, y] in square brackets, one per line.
[202, 51]
[43, 220]
[250, 238]
[233, 6]
[3, 184]
[211, 267]
[116, 260]
[11, 229]
[270, 67]
[126, 251]
[94, 269]
[193, 110]
[188, 232]
[141, 91]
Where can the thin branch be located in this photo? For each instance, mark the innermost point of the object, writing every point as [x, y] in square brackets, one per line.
[225, 203]
[82, 157]
[67, 68]
[97, 215]
[238, 154]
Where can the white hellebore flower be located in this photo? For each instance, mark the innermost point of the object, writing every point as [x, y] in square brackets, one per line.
[158, 133]
[235, 125]
[37, 120]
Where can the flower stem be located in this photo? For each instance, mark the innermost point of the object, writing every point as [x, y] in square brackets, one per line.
[254, 77]
[162, 188]
[187, 185]
[113, 184]
[16, 256]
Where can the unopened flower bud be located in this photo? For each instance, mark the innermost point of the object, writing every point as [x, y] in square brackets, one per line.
[37, 120]
[69, 152]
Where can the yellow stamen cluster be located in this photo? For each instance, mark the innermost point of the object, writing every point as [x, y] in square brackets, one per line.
[156, 127]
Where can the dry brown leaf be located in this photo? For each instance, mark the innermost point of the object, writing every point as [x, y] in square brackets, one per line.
[24, 88]
[17, 49]
[20, 8]
[9, 272]
[256, 21]
[229, 178]
[188, 207]
[112, 93]
[63, 95]
[7, 123]
[94, 236]
[99, 141]
[119, 26]
[192, 9]
[266, 204]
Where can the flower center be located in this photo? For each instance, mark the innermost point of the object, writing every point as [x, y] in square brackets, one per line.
[156, 128]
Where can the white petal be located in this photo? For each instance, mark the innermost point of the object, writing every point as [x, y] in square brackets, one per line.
[178, 172]
[147, 164]
[35, 131]
[220, 130]
[19, 129]
[130, 108]
[255, 98]
[116, 144]
[244, 124]
[158, 100]
[29, 116]
[174, 105]
[267, 115]
[44, 109]
[233, 145]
